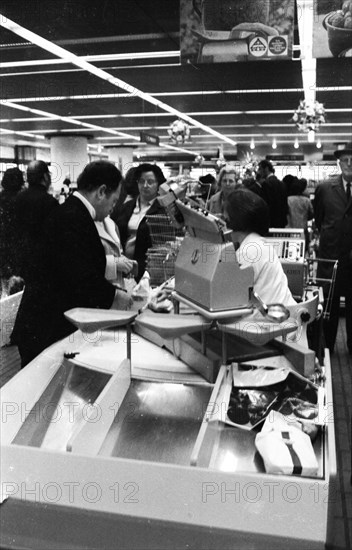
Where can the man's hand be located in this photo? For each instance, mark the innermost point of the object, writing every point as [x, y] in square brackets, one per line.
[126, 266]
[160, 301]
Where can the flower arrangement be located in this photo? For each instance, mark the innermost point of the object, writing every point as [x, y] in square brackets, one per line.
[309, 116]
[249, 165]
[179, 132]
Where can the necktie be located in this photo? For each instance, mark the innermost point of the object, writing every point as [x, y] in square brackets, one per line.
[348, 191]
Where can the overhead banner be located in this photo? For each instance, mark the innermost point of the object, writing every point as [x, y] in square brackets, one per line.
[332, 30]
[219, 31]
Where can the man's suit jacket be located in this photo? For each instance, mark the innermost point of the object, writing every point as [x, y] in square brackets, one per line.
[70, 274]
[32, 207]
[333, 218]
[143, 240]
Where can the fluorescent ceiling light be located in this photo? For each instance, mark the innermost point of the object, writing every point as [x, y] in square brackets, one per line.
[305, 16]
[93, 58]
[76, 122]
[75, 60]
[5, 131]
[101, 96]
[78, 70]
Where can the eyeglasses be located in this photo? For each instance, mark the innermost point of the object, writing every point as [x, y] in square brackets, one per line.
[150, 182]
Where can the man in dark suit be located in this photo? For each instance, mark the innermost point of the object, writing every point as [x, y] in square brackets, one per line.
[32, 207]
[72, 267]
[274, 193]
[333, 218]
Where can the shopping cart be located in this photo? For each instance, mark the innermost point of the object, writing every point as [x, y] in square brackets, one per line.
[166, 242]
[328, 284]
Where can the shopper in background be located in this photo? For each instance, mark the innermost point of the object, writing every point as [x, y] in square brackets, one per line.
[288, 180]
[274, 194]
[12, 183]
[130, 217]
[72, 265]
[129, 187]
[228, 181]
[32, 207]
[300, 208]
[333, 218]
[207, 188]
[252, 184]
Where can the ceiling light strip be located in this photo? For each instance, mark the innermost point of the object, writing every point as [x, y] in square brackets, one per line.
[75, 60]
[170, 94]
[78, 70]
[71, 120]
[93, 58]
[64, 118]
[305, 30]
[26, 134]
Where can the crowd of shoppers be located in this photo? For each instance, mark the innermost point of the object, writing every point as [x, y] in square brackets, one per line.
[79, 253]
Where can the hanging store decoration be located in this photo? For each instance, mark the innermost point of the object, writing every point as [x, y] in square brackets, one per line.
[309, 116]
[249, 165]
[179, 132]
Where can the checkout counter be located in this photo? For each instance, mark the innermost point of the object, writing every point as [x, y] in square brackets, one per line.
[115, 437]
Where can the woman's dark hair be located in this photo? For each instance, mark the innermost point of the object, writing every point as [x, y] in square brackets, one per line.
[246, 211]
[145, 167]
[290, 181]
[12, 181]
[130, 184]
[297, 187]
[97, 173]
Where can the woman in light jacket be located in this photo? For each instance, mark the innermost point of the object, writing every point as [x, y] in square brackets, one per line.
[117, 265]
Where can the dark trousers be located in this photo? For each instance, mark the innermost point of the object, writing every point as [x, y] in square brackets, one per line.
[28, 352]
[343, 287]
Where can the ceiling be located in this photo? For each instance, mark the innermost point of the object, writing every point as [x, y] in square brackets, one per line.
[137, 42]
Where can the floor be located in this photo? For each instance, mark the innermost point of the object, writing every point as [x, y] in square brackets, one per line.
[341, 364]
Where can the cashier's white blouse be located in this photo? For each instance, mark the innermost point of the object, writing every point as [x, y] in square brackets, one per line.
[270, 281]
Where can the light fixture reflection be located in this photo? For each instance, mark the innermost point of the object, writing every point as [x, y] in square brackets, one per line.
[252, 145]
[274, 145]
[296, 144]
[318, 144]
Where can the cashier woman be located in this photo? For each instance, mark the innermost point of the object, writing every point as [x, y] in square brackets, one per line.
[247, 215]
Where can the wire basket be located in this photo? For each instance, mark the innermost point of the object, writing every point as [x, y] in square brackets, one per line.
[166, 241]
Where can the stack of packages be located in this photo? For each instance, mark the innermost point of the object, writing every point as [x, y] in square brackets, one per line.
[286, 405]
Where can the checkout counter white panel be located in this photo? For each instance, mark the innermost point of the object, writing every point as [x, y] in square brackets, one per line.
[140, 489]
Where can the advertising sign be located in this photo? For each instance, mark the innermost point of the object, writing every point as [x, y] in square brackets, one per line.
[332, 30]
[215, 31]
[151, 139]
